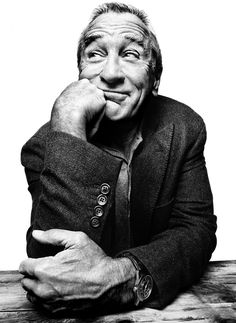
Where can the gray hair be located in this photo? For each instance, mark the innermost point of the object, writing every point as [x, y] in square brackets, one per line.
[116, 7]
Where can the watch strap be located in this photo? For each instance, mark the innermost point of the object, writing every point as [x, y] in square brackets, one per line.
[143, 283]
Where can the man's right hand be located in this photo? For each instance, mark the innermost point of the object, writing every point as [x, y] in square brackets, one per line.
[79, 109]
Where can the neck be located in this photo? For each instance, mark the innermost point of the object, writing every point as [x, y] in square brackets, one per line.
[118, 134]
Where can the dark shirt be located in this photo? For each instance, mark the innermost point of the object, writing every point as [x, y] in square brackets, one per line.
[120, 235]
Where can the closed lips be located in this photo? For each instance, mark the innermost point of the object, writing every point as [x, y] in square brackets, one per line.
[115, 96]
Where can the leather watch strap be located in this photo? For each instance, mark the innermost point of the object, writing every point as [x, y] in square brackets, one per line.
[143, 283]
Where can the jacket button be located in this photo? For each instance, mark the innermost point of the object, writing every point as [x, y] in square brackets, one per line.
[98, 211]
[95, 222]
[102, 199]
[105, 188]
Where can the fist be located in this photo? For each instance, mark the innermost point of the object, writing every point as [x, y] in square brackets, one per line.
[79, 109]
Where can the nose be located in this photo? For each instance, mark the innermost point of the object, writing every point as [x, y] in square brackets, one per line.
[112, 73]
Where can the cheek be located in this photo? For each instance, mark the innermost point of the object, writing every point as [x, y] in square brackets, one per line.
[89, 71]
[139, 75]
[143, 83]
[82, 65]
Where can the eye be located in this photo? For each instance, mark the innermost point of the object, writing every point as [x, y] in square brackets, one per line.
[95, 55]
[131, 54]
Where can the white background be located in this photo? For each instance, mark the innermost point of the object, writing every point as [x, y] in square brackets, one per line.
[38, 59]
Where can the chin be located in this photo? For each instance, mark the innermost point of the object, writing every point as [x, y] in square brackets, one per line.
[111, 117]
[114, 111]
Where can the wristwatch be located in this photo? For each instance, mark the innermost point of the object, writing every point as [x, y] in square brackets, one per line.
[143, 284]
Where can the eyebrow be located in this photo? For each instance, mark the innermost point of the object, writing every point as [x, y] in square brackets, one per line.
[133, 38]
[89, 39]
[136, 39]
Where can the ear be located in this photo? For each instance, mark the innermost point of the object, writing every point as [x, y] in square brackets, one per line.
[155, 87]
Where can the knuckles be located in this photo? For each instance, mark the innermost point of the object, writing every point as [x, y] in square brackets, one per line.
[42, 268]
[82, 89]
[77, 106]
[45, 291]
[40, 291]
[81, 237]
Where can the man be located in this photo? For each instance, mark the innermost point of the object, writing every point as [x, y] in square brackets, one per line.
[122, 207]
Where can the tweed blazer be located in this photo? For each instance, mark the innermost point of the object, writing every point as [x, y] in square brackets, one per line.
[172, 221]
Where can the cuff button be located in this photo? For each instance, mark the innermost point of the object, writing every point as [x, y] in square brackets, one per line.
[95, 222]
[102, 199]
[98, 211]
[105, 188]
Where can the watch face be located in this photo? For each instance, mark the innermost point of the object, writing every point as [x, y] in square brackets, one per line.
[144, 288]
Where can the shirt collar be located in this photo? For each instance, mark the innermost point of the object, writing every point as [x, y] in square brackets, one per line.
[137, 139]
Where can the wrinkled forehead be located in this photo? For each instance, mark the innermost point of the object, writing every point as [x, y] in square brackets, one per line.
[118, 23]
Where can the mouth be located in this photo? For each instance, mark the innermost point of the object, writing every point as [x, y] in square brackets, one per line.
[115, 96]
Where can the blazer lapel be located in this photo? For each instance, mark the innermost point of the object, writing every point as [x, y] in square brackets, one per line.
[148, 170]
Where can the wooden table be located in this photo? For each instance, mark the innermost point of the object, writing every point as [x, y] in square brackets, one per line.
[212, 300]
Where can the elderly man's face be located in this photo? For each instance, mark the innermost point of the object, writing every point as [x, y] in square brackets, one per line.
[117, 60]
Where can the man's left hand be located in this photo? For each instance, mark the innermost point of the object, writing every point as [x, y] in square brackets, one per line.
[74, 278]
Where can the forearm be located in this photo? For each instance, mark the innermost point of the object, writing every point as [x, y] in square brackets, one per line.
[66, 188]
[177, 257]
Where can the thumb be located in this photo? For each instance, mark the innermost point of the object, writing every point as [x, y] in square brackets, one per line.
[56, 237]
[96, 124]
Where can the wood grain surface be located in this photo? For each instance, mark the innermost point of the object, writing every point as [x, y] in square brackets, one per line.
[213, 299]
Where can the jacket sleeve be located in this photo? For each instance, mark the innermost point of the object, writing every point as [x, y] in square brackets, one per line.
[177, 256]
[65, 175]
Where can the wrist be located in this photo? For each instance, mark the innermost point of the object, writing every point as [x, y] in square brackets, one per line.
[68, 125]
[121, 276]
[120, 270]
[143, 285]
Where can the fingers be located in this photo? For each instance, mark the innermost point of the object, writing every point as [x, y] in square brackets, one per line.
[38, 289]
[36, 268]
[60, 306]
[27, 267]
[56, 237]
[97, 124]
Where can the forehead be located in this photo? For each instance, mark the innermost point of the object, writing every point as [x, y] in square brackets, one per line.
[118, 23]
